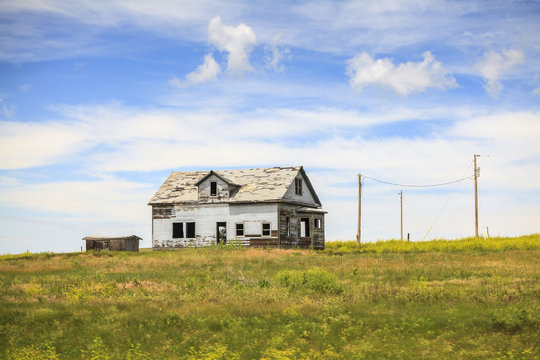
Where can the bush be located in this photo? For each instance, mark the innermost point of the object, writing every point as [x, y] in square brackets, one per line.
[317, 280]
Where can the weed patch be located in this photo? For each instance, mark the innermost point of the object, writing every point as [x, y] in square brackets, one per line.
[316, 280]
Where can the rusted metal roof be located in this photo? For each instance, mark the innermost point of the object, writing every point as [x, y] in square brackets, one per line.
[255, 185]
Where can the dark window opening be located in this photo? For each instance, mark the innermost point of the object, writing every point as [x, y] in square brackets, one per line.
[177, 230]
[239, 229]
[288, 228]
[298, 186]
[318, 223]
[266, 229]
[213, 188]
[304, 227]
[190, 229]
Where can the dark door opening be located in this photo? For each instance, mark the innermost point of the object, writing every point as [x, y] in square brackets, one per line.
[304, 227]
[221, 232]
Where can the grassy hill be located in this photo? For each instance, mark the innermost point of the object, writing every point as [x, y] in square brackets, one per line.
[467, 298]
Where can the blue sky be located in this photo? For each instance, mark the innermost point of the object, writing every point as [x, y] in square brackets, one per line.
[101, 100]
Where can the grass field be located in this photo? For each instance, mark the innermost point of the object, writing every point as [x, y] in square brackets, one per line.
[462, 299]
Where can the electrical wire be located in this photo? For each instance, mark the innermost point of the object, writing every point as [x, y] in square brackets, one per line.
[444, 206]
[418, 186]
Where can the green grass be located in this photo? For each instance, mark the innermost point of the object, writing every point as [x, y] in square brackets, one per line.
[475, 299]
[526, 242]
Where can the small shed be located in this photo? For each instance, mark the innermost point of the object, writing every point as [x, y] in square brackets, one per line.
[122, 243]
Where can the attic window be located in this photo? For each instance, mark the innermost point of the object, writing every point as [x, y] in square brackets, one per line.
[213, 188]
[298, 186]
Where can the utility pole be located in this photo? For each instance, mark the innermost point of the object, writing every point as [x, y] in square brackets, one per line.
[475, 198]
[401, 201]
[358, 238]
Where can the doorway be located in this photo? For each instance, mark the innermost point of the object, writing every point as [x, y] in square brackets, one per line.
[304, 227]
[221, 232]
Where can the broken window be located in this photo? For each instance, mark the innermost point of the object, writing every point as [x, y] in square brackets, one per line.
[239, 229]
[298, 186]
[304, 227]
[266, 229]
[190, 230]
[318, 223]
[177, 230]
[288, 226]
[213, 188]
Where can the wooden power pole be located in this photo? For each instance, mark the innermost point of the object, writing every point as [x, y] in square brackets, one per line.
[475, 198]
[401, 202]
[358, 238]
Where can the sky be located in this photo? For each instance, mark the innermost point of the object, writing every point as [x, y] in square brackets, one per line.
[101, 100]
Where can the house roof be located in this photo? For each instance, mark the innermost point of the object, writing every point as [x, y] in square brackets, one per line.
[254, 185]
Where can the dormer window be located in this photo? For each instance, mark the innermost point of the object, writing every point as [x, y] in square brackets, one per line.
[213, 188]
[298, 186]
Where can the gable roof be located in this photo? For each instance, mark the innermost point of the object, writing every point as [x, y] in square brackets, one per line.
[254, 185]
[212, 172]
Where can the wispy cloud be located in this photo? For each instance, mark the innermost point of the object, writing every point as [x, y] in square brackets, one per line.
[8, 110]
[275, 60]
[404, 79]
[494, 65]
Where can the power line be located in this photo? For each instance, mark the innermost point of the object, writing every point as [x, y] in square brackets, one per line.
[418, 186]
[444, 206]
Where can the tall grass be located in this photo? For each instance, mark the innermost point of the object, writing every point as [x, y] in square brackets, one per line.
[394, 301]
[526, 242]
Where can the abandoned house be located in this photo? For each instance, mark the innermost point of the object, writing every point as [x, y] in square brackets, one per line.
[270, 207]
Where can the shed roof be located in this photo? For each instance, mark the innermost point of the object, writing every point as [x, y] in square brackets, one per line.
[106, 238]
[255, 185]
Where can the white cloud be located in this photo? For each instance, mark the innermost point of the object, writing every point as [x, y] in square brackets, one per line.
[536, 91]
[494, 65]
[207, 71]
[24, 145]
[404, 79]
[25, 87]
[114, 199]
[238, 41]
[146, 140]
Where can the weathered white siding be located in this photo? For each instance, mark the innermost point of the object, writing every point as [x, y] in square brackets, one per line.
[222, 194]
[306, 197]
[205, 217]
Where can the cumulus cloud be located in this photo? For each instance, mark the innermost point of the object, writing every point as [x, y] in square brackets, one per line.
[494, 65]
[404, 79]
[238, 41]
[207, 71]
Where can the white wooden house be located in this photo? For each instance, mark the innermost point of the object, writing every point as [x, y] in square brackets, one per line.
[275, 207]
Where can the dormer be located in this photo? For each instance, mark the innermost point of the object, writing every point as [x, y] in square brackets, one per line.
[215, 188]
[301, 191]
